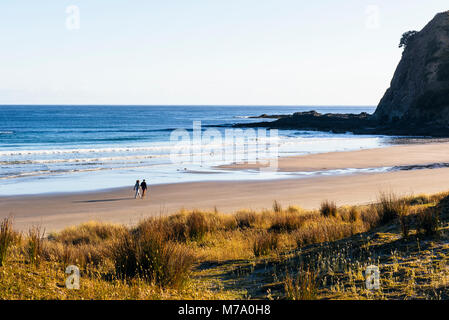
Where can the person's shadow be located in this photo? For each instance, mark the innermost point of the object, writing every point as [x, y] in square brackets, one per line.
[103, 200]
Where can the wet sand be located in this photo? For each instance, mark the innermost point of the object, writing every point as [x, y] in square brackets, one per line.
[399, 155]
[57, 211]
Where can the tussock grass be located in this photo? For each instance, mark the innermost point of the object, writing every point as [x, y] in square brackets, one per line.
[265, 243]
[186, 227]
[171, 253]
[303, 287]
[35, 245]
[287, 222]
[81, 255]
[328, 209]
[295, 209]
[88, 244]
[6, 238]
[322, 229]
[432, 199]
[246, 219]
[390, 207]
[370, 216]
[428, 221]
[88, 233]
[198, 225]
[350, 214]
[419, 199]
[148, 256]
[405, 223]
[277, 207]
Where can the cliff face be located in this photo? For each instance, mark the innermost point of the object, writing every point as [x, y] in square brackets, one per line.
[417, 102]
[419, 91]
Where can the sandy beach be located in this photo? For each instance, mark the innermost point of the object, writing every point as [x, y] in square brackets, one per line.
[398, 155]
[56, 211]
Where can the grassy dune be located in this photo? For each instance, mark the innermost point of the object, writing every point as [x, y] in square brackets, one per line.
[283, 253]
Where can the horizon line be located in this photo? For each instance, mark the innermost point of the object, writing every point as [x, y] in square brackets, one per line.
[187, 105]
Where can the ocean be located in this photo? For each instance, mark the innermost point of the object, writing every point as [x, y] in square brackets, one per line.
[48, 149]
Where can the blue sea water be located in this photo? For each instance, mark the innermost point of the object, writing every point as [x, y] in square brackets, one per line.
[83, 148]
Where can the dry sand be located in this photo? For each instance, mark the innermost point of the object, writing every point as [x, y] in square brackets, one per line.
[54, 212]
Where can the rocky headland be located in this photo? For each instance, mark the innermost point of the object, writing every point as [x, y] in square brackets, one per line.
[417, 102]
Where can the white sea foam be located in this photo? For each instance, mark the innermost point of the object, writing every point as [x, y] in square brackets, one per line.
[83, 160]
[78, 151]
[59, 172]
[168, 147]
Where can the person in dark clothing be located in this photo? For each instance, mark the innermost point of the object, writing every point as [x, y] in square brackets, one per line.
[144, 187]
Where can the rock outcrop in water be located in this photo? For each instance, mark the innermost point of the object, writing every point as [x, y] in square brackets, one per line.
[417, 102]
[313, 120]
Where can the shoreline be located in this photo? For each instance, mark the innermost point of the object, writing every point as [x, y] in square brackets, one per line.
[312, 162]
[391, 156]
[57, 212]
[54, 212]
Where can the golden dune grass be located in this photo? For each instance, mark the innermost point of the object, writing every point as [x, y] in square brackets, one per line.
[163, 251]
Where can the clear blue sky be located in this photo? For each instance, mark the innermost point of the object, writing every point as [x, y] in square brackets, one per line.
[281, 52]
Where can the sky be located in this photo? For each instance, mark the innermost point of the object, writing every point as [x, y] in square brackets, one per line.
[204, 52]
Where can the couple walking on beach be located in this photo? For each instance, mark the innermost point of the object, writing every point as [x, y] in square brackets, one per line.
[140, 186]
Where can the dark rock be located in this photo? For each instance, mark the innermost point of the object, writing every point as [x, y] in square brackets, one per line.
[312, 120]
[269, 116]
